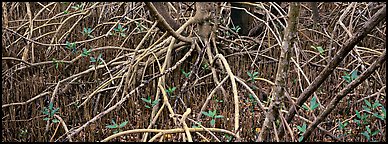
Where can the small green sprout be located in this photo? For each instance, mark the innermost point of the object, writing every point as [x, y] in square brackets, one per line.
[50, 111]
[349, 78]
[301, 131]
[95, 60]
[120, 30]
[170, 91]
[313, 104]
[149, 101]
[116, 126]
[77, 7]
[71, 46]
[236, 29]
[319, 49]
[85, 52]
[87, 32]
[186, 74]
[252, 76]
[213, 116]
[56, 63]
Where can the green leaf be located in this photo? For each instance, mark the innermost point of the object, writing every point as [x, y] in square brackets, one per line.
[366, 108]
[173, 89]
[213, 122]
[66, 12]
[347, 77]
[146, 100]
[375, 132]
[305, 107]
[313, 103]
[116, 131]
[113, 121]
[147, 106]
[354, 74]
[249, 74]
[45, 111]
[368, 129]
[46, 119]
[119, 27]
[358, 114]
[99, 57]
[206, 114]
[341, 126]
[219, 116]
[123, 124]
[255, 74]
[51, 105]
[54, 111]
[123, 35]
[92, 59]
[214, 113]
[366, 134]
[300, 138]
[111, 126]
[367, 103]
[303, 128]
[320, 50]
[314, 106]
[55, 121]
[357, 122]
[376, 104]
[155, 102]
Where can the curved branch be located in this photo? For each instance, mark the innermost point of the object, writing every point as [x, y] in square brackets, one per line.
[166, 26]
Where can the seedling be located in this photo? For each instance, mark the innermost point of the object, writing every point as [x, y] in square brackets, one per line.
[149, 101]
[252, 76]
[217, 100]
[139, 26]
[77, 7]
[252, 99]
[349, 78]
[213, 116]
[170, 91]
[301, 131]
[319, 49]
[120, 30]
[341, 126]
[205, 66]
[187, 74]
[116, 126]
[85, 52]
[236, 28]
[368, 133]
[87, 32]
[50, 111]
[56, 63]
[71, 46]
[228, 137]
[95, 60]
[66, 12]
[23, 132]
[313, 104]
